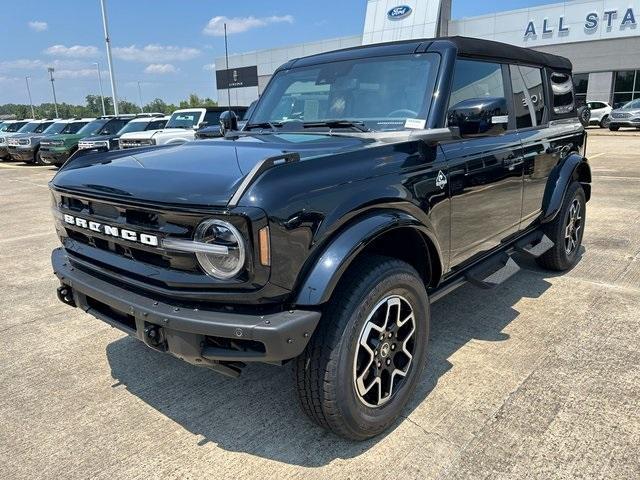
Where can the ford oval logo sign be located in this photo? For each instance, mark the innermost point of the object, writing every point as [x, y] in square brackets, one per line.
[396, 13]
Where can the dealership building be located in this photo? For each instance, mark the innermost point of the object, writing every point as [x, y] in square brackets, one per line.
[600, 37]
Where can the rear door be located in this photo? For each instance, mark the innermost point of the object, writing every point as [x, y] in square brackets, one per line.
[485, 173]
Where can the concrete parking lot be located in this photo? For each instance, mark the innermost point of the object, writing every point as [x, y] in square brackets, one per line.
[537, 379]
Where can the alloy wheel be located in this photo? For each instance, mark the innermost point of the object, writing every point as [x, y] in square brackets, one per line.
[385, 351]
[572, 227]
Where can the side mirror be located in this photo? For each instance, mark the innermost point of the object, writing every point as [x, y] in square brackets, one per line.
[485, 116]
[228, 122]
[201, 125]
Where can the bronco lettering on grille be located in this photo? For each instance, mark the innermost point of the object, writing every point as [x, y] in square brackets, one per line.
[112, 231]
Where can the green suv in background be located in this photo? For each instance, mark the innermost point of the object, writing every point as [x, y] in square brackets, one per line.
[57, 149]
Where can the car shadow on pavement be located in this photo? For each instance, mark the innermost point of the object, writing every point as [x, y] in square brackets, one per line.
[258, 412]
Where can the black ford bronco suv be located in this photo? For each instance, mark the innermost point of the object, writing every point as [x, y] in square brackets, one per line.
[367, 183]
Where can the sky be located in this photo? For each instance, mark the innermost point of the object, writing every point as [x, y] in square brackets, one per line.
[169, 46]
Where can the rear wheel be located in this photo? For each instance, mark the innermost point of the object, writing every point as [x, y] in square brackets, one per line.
[367, 356]
[566, 231]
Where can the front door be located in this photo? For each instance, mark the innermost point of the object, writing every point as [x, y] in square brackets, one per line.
[485, 173]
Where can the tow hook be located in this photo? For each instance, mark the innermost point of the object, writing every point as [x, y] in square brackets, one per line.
[154, 337]
[65, 295]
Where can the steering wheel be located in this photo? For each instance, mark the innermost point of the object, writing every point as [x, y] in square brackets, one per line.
[403, 112]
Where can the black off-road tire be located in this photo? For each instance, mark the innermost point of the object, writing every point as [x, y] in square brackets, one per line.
[559, 258]
[41, 161]
[325, 373]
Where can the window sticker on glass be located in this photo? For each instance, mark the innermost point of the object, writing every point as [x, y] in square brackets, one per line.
[416, 123]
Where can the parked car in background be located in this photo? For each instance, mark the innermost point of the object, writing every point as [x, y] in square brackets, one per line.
[10, 128]
[142, 122]
[23, 145]
[600, 112]
[179, 129]
[626, 116]
[57, 150]
[214, 131]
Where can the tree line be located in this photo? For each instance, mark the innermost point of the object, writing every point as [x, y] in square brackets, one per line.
[93, 107]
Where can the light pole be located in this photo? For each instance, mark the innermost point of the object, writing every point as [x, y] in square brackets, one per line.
[107, 42]
[104, 110]
[26, 80]
[53, 88]
[140, 97]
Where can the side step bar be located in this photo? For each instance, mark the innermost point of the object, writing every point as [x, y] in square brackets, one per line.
[493, 274]
[498, 267]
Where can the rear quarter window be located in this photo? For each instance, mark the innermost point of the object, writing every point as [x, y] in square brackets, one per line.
[563, 94]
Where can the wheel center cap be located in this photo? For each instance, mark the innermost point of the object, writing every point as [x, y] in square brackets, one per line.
[384, 350]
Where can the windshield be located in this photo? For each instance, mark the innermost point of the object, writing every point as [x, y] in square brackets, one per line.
[42, 127]
[184, 119]
[14, 127]
[380, 93]
[55, 128]
[92, 128]
[29, 127]
[133, 127]
[632, 105]
[73, 128]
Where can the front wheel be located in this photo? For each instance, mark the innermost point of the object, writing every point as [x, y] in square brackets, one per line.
[613, 128]
[39, 160]
[604, 123]
[566, 231]
[367, 356]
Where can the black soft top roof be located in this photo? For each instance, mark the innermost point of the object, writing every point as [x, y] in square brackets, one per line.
[466, 46]
[503, 51]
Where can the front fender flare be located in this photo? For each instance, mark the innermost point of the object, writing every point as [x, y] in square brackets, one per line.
[574, 167]
[326, 271]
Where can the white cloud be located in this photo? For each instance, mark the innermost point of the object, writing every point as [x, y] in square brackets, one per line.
[160, 68]
[76, 51]
[80, 73]
[215, 27]
[21, 64]
[155, 53]
[209, 67]
[38, 26]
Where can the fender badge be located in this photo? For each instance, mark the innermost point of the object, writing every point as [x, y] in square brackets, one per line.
[441, 179]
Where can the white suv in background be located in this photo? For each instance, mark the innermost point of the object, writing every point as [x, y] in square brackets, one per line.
[600, 112]
[179, 129]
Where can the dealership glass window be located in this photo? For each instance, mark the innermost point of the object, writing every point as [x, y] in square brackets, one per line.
[528, 95]
[626, 86]
[580, 86]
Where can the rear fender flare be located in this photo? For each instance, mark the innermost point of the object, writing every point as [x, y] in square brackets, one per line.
[573, 167]
[326, 270]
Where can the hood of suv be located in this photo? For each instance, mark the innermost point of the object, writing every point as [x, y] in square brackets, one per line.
[98, 138]
[204, 173]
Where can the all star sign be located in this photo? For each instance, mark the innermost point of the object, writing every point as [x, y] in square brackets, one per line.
[609, 19]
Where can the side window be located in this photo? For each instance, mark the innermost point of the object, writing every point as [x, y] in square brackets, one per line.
[157, 125]
[562, 89]
[474, 79]
[477, 105]
[528, 95]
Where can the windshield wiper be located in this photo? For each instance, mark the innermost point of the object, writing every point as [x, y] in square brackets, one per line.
[355, 124]
[273, 126]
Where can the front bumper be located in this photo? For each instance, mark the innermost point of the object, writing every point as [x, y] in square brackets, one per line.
[624, 122]
[22, 154]
[201, 336]
[57, 158]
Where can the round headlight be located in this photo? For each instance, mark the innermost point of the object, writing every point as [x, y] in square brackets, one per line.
[223, 234]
